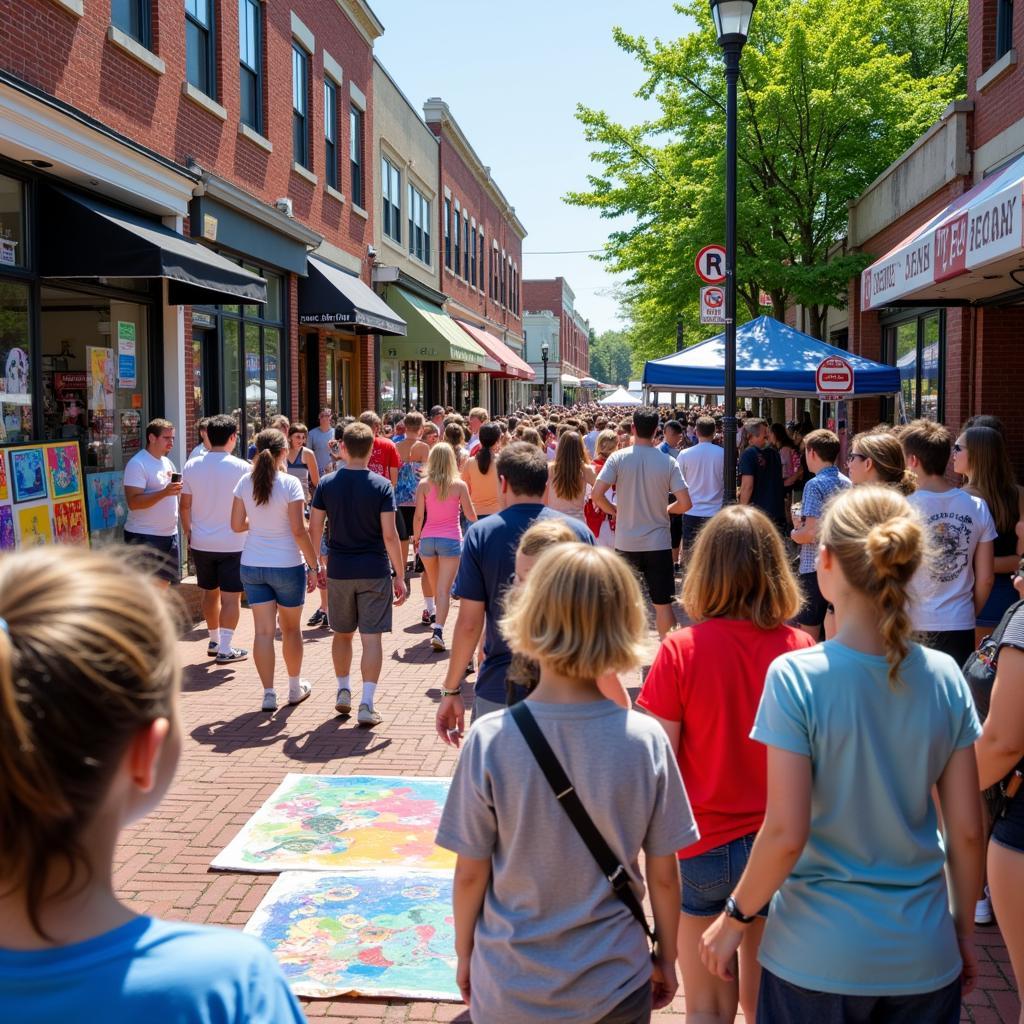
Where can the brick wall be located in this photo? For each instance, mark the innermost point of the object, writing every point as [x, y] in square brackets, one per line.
[1002, 102]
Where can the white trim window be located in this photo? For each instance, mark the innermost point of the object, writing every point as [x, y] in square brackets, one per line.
[391, 200]
[419, 225]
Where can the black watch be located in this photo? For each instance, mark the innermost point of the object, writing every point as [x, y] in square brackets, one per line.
[733, 911]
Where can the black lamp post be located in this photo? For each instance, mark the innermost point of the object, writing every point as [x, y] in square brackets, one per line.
[545, 348]
[732, 23]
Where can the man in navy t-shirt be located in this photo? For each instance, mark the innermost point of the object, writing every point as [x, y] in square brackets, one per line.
[761, 474]
[362, 546]
[485, 572]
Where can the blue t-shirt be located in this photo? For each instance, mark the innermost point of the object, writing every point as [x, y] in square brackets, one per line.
[149, 972]
[485, 572]
[354, 500]
[865, 911]
[817, 494]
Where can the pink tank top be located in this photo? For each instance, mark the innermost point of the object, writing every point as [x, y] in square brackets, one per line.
[442, 516]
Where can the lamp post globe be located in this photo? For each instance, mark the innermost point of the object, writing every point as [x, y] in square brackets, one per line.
[732, 24]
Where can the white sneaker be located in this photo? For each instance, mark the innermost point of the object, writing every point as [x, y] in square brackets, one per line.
[983, 910]
[305, 689]
[269, 700]
[343, 705]
[367, 716]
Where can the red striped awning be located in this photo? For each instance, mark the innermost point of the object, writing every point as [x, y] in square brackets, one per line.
[512, 365]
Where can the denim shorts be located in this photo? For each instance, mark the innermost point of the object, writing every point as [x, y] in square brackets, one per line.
[285, 586]
[440, 547]
[1009, 829]
[710, 877]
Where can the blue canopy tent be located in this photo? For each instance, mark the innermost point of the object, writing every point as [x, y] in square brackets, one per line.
[772, 359]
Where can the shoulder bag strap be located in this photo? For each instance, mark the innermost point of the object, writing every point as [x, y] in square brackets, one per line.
[564, 792]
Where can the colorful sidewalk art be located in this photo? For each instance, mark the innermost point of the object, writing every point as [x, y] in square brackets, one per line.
[328, 822]
[387, 934]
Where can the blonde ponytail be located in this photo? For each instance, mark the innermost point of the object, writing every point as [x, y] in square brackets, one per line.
[879, 543]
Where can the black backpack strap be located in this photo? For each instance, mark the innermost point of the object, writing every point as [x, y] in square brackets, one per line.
[566, 795]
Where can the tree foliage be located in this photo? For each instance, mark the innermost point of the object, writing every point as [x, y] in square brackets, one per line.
[826, 102]
[611, 358]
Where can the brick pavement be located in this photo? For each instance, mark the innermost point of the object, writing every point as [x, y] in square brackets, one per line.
[234, 756]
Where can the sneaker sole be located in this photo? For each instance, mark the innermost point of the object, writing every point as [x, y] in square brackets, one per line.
[228, 661]
[342, 708]
[437, 645]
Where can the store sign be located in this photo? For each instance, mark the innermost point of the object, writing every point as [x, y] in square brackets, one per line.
[710, 264]
[712, 305]
[127, 373]
[833, 378]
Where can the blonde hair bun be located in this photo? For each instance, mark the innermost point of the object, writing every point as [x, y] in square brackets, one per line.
[893, 546]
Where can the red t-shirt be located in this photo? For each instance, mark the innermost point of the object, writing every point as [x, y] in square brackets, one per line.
[709, 677]
[384, 457]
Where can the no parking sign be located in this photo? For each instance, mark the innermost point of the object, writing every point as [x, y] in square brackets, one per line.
[712, 305]
[834, 378]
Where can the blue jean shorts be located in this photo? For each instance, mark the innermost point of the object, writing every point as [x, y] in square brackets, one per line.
[710, 877]
[440, 547]
[285, 586]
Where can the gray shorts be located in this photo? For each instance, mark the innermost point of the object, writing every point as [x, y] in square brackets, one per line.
[363, 605]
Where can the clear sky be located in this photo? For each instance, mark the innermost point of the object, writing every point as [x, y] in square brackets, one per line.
[512, 74]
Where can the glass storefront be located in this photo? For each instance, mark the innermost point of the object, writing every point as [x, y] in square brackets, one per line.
[916, 345]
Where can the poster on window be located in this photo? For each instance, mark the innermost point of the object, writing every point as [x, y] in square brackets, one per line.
[127, 373]
[15, 396]
[101, 406]
[69, 391]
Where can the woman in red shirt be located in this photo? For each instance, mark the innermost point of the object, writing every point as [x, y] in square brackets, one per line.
[705, 687]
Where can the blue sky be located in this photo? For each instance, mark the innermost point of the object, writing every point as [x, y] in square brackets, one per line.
[548, 55]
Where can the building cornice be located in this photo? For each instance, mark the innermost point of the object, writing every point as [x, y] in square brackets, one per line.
[436, 111]
[367, 24]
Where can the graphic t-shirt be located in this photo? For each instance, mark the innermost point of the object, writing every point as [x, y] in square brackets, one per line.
[151, 971]
[865, 910]
[709, 678]
[151, 474]
[485, 572]
[643, 478]
[942, 589]
[383, 458]
[354, 500]
[765, 466]
[555, 943]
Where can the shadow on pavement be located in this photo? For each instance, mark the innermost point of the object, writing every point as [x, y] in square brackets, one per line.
[337, 737]
[250, 729]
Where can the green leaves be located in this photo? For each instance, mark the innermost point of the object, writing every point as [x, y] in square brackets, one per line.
[832, 91]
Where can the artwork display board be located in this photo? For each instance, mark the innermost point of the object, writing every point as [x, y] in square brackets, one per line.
[42, 495]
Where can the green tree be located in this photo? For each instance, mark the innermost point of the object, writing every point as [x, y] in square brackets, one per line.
[611, 357]
[825, 105]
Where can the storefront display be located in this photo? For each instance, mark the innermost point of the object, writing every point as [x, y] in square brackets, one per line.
[42, 498]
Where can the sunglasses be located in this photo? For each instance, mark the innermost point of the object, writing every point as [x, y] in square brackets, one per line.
[855, 455]
[958, 448]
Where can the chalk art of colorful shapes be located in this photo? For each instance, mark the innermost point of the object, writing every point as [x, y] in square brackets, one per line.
[28, 474]
[34, 526]
[107, 508]
[367, 935]
[8, 542]
[343, 823]
[65, 470]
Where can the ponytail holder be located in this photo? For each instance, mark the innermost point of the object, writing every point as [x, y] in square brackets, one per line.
[4, 627]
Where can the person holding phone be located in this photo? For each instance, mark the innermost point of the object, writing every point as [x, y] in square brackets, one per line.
[151, 489]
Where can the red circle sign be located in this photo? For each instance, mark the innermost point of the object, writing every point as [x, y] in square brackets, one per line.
[710, 264]
[834, 376]
[714, 298]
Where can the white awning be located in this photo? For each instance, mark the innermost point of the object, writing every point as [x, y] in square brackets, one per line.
[569, 381]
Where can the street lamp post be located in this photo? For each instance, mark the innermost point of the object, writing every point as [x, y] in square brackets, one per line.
[732, 23]
[544, 350]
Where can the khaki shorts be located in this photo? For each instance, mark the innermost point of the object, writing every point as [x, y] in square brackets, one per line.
[363, 605]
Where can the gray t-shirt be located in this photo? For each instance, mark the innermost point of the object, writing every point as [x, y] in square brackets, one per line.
[319, 440]
[643, 479]
[553, 942]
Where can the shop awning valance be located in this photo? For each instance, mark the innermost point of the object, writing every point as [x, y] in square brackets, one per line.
[432, 335]
[511, 364]
[330, 296]
[970, 251]
[569, 381]
[83, 237]
[772, 358]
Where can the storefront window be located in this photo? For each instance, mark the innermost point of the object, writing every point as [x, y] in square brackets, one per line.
[915, 347]
[16, 362]
[12, 223]
[390, 384]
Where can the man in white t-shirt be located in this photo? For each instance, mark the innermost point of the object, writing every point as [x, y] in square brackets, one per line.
[208, 486]
[151, 489]
[320, 439]
[703, 469]
[953, 584]
[204, 442]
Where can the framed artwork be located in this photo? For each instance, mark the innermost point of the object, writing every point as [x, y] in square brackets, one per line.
[65, 469]
[8, 540]
[34, 525]
[69, 522]
[28, 474]
[4, 491]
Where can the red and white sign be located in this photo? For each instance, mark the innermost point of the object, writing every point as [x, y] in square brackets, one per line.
[764, 299]
[710, 264]
[834, 378]
[982, 226]
[712, 305]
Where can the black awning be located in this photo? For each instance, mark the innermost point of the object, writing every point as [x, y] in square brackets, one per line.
[84, 237]
[330, 295]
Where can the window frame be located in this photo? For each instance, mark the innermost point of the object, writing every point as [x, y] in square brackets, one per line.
[210, 46]
[332, 175]
[357, 154]
[391, 200]
[448, 233]
[144, 12]
[472, 259]
[301, 149]
[465, 247]
[1004, 28]
[890, 332]
[244, 68]
[419, 225]
[457, 233]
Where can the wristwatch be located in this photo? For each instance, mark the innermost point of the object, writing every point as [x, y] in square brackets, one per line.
[457, 692]
[733, 911]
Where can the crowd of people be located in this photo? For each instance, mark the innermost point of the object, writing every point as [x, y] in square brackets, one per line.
[839, 681]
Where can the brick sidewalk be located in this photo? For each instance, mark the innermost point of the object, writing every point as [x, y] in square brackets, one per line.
[234, 756]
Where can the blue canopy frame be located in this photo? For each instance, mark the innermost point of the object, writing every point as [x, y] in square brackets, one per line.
[772, 358]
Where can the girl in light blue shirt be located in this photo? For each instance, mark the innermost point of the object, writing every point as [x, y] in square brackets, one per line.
[863, 925]
[89, 741]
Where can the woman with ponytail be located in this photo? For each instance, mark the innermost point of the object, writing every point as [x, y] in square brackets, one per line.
[876, 457]
[480, 473]
[860, 730]
[89, 741]
[279, 563]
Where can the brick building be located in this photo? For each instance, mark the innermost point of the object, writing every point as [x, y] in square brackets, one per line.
[944, 298]
[552, 319]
